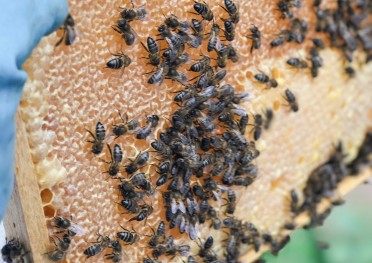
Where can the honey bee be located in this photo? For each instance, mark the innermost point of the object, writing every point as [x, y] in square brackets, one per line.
[101, 244]
[64, 243]
[146, 211]
[159, 235]
[255, 36]
[198, 27]
[176, 75]
[297, 63]
[242, 180]
[99, 136]
[128, 236]
[120, 61]
[269, 115]
[350, 72]
[298, 29]
[116, 159]
[263, 78]
[125, 30]
[174, 23]
[161, 148]
[130, 205]
[69, 227]
[140, 180]
[153, 50]
[213, 37]
[257, 129]
[171, 249]
[232, 55]
[232, 10]
[316, 62]
[125, 126]
[284, 36]
[130, 196]
[318, 43]
[160, 74]
[243, 122]
[285, 9]
[201, 65]
[206, 251]
[151, 122]
[229, 31]
[132, 13]
[140, 161]
[231, 202]
[116, 254]
[291, 99]
[232, 247]
[176, 42]
[204, 11]
[13, 251]
[60, 252]
[69, 34]
[222, 55]
[56, 255]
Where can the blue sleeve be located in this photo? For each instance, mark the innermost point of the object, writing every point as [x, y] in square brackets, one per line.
[22, 24]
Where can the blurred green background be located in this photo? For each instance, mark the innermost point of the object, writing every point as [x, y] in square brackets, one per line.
[348, 231]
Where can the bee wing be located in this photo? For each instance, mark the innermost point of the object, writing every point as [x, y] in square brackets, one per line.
[195, 41]
[187, 226]
[173, 206]
[193, 232]
[70, 35]
[184, 26]
[179, 220]
[184, 249]
[173, 48]
[190, 206]
[141, 13]
[219, 46]
[181, 77]
[79, 230]
[223, 188]
[183, 224]
[181, 207]
[217, 196]
[240, 111]
[209, 92]
[196, 206]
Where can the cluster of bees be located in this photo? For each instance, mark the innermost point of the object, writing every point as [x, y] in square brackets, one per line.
[346, 28]
[193, 147]
[205, 150]
[364, 156]
[66, 230]
[321, 184]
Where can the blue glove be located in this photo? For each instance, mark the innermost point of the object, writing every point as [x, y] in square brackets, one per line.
[22, 24]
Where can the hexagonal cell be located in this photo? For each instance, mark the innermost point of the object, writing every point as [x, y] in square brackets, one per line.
[49, 211]
[46, 196]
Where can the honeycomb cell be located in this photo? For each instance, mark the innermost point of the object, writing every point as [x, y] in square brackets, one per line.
[49, 211]
[46, 196]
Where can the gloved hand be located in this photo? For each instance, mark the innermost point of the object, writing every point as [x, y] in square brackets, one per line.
[22, 24]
